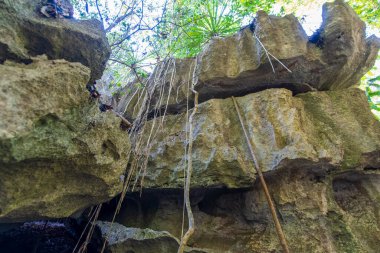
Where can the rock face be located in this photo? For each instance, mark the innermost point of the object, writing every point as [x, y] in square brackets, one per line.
[313, 134]
[320, 130]
[316, 140]
[334, 58]
[58, 153]
[319, 212]
[25, 34]
[30, 91]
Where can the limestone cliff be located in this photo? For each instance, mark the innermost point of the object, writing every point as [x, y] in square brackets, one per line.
[312, 131]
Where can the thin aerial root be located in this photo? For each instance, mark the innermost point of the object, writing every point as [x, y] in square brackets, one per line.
[94, 217]
[190, 216]
[277, 224]
[268, 54]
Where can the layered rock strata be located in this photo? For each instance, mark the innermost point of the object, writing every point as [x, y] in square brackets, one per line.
[274, 52]
[58, 153]
[330, 130]
[315, 139]
[313, 134]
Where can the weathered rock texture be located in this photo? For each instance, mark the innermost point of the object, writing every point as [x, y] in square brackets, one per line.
[122, 239]
[319, 212]
[315, 139]
[325, 130]
[58, 153]
[25, 34]
[334, 58]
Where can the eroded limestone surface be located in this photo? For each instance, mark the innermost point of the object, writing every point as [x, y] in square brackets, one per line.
[25, 34]
[319, 211]
[315, 139]
[326, 130]
[58, 153]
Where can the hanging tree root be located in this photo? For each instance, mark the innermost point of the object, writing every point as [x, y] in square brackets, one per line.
[280, 233]
[190, 216]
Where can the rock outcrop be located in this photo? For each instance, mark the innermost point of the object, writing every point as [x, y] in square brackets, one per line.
[58, 153]
[320, 212]
[25, 34]
[321, 130]
[334, 58]
[313, 134]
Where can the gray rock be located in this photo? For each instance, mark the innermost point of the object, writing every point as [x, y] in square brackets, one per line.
[123, 239]
[58, 153]
[316, 130]
[129, 99]
[25, 34]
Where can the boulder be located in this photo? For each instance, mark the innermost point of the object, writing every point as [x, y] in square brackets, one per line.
[334, 58]
[121, 239]
[58, 153]
[331, 130]
[25, 34]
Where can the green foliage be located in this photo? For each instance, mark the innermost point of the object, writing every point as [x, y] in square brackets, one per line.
[198, 21]
[368, 10]
[202, 20]
[142, 33]
[250, 7]
[373, 94]
[371, 84]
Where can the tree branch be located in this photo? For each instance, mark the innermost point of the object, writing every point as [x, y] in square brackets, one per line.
[99, 13]
[118, 20]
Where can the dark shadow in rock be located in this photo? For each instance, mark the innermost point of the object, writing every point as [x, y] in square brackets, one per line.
[7, 54]
[108, 147]
[45, 237]
[351, 194]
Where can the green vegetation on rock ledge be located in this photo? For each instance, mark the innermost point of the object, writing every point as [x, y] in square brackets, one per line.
[144, 33]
